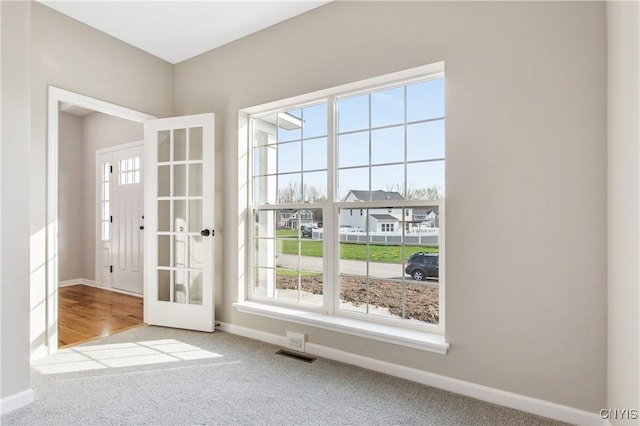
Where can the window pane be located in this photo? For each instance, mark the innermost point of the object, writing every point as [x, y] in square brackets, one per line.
[163, 250]
[389, 179]
[265, 254]
[179, 250]
[289, 125]
[195, 215]
[163, 215]
[164, 286]
[425, 100]
[314, 153]
[352, 180]
[195, 290]
[264, 160]
[164, 180]
[353, 113]
[105, 211]
[422, 302]
[387, 107]
[315, 187]
[164, 145]
[315, 121]
[180, 216]
[353, 149]
[195, 180]
[299, 286]
[180, 282]
[387, 145]
[105, 231]
[290, 188]
[179, 144]
[264, 189]
[425, 181]
[425, 141]
[195, 143]
[289, 157]
[196, 252]
[264, 282]
[180, 180]
[265, 222]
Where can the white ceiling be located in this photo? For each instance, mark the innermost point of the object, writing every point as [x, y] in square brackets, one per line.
[179, 30]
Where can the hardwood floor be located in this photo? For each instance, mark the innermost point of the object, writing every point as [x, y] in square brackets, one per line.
[86, 313]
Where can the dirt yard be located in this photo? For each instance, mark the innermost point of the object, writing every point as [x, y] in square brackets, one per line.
[421, 299]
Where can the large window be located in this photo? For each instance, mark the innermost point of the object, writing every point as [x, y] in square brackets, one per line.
[346, 200]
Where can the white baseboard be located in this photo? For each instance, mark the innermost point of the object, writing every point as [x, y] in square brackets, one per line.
[91, 283]
[16, 401]
[274, 339]
[484, 393]
[77, 281]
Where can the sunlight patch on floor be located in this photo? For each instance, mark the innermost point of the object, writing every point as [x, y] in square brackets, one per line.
[98, 357]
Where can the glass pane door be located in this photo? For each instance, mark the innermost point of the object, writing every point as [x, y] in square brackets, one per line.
[180, 231]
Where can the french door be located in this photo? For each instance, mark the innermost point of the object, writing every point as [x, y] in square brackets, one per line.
[179, 218]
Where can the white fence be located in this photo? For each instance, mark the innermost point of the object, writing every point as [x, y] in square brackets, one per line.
[428, 237]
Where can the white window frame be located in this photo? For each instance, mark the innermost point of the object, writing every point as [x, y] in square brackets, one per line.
[399, 331]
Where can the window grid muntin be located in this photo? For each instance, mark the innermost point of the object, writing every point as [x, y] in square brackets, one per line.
[332, 174]
[129, 170]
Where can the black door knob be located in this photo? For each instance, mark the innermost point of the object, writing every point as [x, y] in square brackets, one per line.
[141, 227]
[205, 232]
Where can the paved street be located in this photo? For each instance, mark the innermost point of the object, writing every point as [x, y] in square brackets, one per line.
[348, 267]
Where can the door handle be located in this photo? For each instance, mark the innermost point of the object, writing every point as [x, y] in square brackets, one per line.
[142, 227]
[206, 233]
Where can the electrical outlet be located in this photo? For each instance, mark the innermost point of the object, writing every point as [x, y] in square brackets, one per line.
[295, 341]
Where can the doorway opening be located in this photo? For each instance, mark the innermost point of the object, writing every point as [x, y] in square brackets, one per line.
[84, 302]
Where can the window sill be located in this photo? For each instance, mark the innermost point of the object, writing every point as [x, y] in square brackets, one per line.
[416, 339]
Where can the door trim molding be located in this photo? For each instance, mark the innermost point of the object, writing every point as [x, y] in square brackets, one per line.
[115, 148]
[57, 95]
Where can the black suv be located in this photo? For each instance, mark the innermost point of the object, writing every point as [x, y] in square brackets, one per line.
[306, 230]
[423, 265]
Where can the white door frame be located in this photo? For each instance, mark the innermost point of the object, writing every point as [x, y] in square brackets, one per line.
[57, 95]
[98, 212]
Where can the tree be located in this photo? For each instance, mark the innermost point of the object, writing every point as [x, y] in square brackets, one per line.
[296, 193]
[429, 193]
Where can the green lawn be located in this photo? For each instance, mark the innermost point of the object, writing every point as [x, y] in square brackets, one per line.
[280, 233]
[377, 253]
[293, 272]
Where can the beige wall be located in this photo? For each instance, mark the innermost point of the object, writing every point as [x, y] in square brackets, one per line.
[75, 57]
[99, 131]
[70, 187]
[14, 204]
[526, 152]
[623, 373]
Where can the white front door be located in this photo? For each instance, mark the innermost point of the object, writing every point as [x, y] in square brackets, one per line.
[179, 287]
[128, 219]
